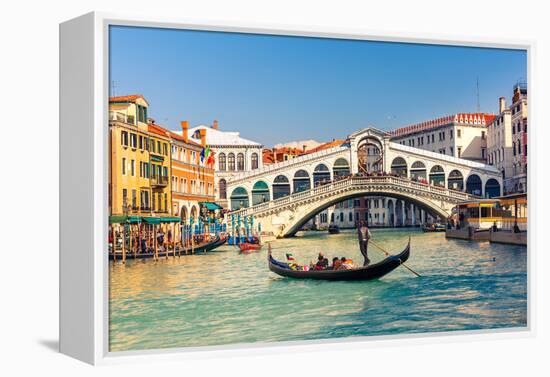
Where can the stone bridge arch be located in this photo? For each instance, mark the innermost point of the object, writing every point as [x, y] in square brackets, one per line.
[300, 216]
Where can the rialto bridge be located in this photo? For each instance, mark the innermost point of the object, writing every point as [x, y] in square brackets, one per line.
[284, 196]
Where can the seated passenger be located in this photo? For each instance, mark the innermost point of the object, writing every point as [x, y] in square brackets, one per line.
[346, 264]
[321, 264]
[336, 263]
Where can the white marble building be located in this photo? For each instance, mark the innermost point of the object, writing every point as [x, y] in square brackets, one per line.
[233, 155]
[462, 135]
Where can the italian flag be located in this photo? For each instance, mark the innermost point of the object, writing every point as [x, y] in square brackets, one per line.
[290, 257]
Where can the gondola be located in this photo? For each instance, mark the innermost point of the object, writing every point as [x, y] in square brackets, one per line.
[218, 241]
[333, 229]
[246, 247]
[434, 228]
[373, 271]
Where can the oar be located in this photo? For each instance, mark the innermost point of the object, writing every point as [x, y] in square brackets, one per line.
[388, 254]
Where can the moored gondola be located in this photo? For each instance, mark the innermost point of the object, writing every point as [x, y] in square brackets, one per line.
[218, 241]
[373, 271]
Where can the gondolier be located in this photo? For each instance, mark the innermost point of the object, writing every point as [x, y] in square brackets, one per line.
[364, 235]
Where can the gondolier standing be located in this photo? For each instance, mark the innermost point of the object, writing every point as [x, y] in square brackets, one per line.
[364, 235]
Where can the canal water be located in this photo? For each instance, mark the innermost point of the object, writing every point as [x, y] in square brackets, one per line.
[224, 297]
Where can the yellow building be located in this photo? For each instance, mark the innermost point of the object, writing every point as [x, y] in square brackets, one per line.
[139, 169]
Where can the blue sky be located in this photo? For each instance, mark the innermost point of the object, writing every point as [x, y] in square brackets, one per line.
[275, 89]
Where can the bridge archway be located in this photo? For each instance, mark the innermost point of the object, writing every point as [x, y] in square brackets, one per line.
[239, 199]
[418, 171]
[281, 187]
[399, 167]
[341, 168]
[260, 193]
[492, 188]
[474, 185]
[370, 155]
[437, 176]
[429, 206]
[455, 180]
[301, 181]
[321, 174]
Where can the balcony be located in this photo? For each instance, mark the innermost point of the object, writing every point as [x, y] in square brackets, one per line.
[121, 117]
[159, 181]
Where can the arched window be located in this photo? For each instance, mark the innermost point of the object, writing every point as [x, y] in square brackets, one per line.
[281, 187]
[321, 174]
[455, 180]
[254, 161]
[239, 198]
[399, 167]
[260, 193]
[418, 171]
[301, 181]
[437, 176]
[231, 162]
[222, 162]
[492, 188]
[473, 184]
[240, 162]
[341, 168]
[223, 188]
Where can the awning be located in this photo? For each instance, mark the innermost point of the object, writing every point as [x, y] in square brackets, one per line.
[157, 158]
[152, 220]
[117, 219]
[170, 219]
[211, 206]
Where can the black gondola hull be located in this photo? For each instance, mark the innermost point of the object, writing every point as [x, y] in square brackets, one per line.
[374, 271]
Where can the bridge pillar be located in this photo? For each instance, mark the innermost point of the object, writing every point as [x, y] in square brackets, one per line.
[394, 214]
[413, 215]
[402, 213]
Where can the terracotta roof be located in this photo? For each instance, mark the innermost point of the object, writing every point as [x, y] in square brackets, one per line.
[159, 130]
[330, 144]
[179, 137]
[156, 129]
[128, 98]
[480, 119]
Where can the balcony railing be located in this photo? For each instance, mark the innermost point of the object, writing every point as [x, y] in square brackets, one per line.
[159, 181]
[121, 117]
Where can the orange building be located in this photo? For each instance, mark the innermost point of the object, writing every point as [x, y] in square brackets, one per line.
[192, 180]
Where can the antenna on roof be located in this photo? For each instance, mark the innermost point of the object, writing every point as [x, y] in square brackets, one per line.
[113, 88]
[477, 85]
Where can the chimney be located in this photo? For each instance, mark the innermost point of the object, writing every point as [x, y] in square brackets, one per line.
[202, 132]
[215, 125]
[304, 148]
[501, 104]
[185, 130]
[150, 121]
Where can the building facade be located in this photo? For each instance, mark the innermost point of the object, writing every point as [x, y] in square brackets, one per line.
[462, 135]
[192, 180]
[139, 160]
[233, 155]
[519, 139]
[507, 141]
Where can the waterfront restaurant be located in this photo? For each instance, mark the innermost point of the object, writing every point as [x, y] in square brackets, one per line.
[515, 208]
[480, 214]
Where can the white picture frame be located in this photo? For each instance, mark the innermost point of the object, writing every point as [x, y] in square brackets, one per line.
[84, 314]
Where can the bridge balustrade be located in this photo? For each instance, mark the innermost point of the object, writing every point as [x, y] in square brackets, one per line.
[359, 182]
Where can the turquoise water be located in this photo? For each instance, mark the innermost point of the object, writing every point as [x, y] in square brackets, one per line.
[224, 297]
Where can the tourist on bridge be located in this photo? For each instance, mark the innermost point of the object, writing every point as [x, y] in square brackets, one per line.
[364, 235]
